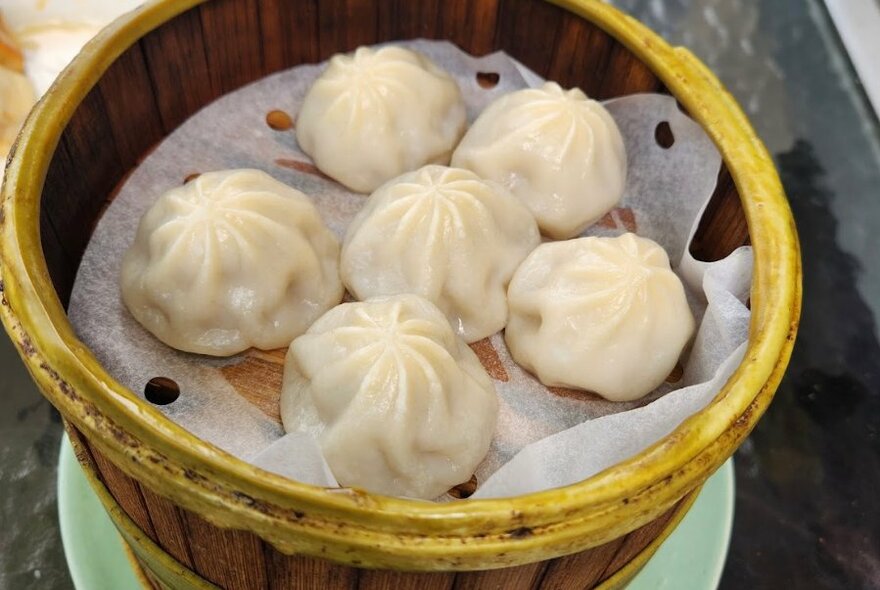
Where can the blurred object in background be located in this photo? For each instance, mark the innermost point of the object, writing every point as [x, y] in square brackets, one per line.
[10, 54]
[38, 38]
[858, 23]
[16, 94]
[51, 32]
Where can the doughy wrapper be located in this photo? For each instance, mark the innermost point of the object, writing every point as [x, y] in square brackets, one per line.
[545, 438]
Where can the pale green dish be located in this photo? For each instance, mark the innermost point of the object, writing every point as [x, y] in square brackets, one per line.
[95, 552]
[692, 558]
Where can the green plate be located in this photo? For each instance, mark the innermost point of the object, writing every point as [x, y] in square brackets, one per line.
[692, 558]
[94, 550]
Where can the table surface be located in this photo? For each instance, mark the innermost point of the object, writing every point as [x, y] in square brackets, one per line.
[807, 514]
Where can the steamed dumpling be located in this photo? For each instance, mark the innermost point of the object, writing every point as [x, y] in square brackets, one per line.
[231, 260]
[447, 235]
[400, 405]
[378, 113]
[602, 314]
[558, 151]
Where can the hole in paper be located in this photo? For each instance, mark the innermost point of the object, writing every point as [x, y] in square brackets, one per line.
[279, 120]
[161, 391]
[464, 490]
[676, 374]
[663, 135]
[488, 80]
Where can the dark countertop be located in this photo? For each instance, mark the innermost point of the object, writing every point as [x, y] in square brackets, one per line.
[807, 514]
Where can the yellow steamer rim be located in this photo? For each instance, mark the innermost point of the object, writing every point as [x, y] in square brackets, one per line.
[352, 526]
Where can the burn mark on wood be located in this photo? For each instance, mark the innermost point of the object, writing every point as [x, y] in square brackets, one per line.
[619, 218]
[488, 356]
[580, 394]
[304, 167]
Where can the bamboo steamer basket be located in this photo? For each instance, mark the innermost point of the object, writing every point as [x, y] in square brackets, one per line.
[196, 516]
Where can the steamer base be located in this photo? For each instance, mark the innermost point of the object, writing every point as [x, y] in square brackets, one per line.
[691, 558]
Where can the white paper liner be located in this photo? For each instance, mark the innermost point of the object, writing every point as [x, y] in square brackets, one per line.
[543, 439]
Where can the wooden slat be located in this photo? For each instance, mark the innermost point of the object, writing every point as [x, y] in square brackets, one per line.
[290, 33]
[527, 30]
[625, 74]
[231, 559]
[581, 54]
[470, 24]
[178, 67]
[298, 572]
[405, 19]
[635, 542]
[581, 570]
[62, 186]
[524, 577]
[126, 492]
[168, 523]
[344, 25]
[62, 267]
[723, 227]
[128, 97]
[231, 30]
[391, 580]
[89, 167]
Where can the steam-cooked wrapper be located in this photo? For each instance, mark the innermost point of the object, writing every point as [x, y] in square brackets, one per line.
[399, 404]
[558, 151]
[606, 315]
[231, 260]
[447, 235]
[377, 113]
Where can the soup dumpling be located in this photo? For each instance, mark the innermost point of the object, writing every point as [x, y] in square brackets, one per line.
[558, 151]
[398, 403]
[606, 315]
[447, 235]
[377, 113]
[231, 260]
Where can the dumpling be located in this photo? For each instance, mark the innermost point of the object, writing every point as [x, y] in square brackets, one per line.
[399, 404]
[378, 113]
[231, 260]
[558, 151]
[603, 314]
[447, 235]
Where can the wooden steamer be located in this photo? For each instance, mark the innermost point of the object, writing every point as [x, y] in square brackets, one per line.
[197, 517]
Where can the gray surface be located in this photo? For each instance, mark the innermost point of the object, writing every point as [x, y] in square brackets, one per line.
[806, 481]
[30, 434]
